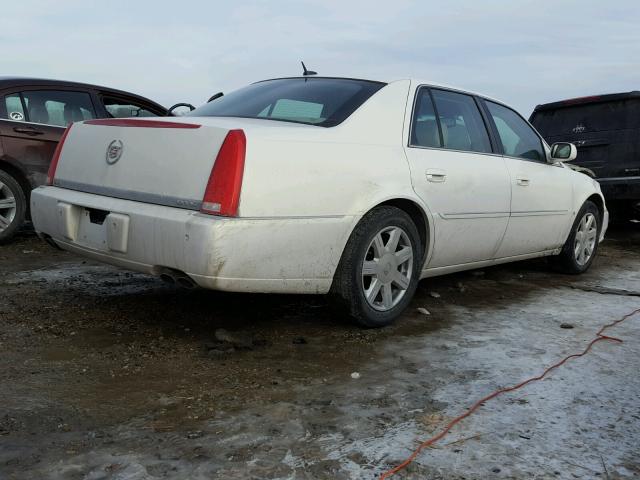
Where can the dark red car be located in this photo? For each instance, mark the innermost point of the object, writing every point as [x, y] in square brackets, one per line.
[33, 115]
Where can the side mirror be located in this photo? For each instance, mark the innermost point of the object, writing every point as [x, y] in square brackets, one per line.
[563, 152]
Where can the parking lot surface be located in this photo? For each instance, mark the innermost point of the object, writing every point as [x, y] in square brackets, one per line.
[107, 374]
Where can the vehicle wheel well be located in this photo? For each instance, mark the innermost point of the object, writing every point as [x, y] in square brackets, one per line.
[21, 179]
[417, 215]
[597, 199]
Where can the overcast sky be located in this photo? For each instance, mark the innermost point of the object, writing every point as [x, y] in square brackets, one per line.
[522, 52]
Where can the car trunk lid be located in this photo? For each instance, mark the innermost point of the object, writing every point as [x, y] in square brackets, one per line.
[151, 161]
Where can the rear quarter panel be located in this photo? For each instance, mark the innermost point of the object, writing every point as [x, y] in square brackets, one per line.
[317, 179]
[343, 171]
[339, 171]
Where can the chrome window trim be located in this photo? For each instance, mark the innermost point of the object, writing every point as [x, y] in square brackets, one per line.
[32, 123]
[484, 99]
[442, 149]
[41, 88]
[454, 90]
[543, 143]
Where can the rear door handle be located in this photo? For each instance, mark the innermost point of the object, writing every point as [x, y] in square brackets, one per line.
[28, 131]
[436, 175]
[523, 182]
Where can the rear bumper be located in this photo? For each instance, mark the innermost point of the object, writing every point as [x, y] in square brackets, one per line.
[286, 255]
[620, 188]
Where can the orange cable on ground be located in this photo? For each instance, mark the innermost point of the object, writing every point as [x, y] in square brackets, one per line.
[599, 337]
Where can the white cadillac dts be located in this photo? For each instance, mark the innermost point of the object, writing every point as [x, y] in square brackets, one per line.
[321, 185]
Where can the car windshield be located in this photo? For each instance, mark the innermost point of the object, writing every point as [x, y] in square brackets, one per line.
[325, 102]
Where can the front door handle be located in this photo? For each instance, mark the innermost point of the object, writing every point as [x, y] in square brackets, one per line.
[28, 131]
[523, 182]
[436, 175]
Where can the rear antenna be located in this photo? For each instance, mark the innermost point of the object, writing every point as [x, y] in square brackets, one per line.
[305, 72]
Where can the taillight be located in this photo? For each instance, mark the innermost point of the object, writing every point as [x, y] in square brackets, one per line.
[56, 156]
[222, 195]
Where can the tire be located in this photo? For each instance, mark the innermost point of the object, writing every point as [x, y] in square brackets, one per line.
[578, 252]
[13, 206]
[378, 298]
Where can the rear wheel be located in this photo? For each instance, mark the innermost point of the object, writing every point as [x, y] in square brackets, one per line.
[380, 267]
[582, 245]
[13, 206]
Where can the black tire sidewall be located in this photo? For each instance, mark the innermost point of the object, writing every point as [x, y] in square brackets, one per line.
[21, 206]
[360, 240]
[567, 256]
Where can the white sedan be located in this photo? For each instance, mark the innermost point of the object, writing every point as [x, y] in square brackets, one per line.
[321, 185]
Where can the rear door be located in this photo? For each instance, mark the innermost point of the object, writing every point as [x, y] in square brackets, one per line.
[541, 192]
[32, 122]
[455, 171]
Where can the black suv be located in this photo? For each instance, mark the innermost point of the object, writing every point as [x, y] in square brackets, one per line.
[33, 115]
[606, 130]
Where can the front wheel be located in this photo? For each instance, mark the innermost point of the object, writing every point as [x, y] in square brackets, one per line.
[582, 245]
[380, 267]
[13, 206]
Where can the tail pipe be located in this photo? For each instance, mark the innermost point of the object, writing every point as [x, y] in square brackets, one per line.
[175, 277]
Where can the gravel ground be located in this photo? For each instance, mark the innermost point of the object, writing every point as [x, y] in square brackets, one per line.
[107, 374]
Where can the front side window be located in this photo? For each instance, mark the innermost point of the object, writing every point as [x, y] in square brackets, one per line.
[424, 128]
[60, 108]
[517, 137]
[461, 122]
[325, 102]
[13, 108]
[118, 108]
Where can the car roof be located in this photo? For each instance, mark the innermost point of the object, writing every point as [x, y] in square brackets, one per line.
[608, 97]
[414, 81]
[9, 81]
[429, 83]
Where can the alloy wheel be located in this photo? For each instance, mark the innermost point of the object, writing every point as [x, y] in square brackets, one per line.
[8, 206]
[586, 238]
[387, 268]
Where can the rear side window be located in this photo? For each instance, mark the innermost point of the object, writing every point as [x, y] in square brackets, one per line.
[517, 137]
[461, 122]
[324, 102]
[60, 108]
[118, 108]
[591, 117]
[13, 107]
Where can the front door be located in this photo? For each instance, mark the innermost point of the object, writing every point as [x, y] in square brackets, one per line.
[454, 170]
[541, 192]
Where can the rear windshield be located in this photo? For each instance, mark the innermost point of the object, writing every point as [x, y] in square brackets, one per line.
[594, 117]
[316, 101]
